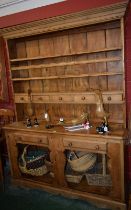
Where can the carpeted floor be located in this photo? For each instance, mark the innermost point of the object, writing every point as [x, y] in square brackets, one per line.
[17, 198]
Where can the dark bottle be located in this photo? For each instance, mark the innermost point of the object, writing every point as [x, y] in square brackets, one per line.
[28, 123]
[36, 124]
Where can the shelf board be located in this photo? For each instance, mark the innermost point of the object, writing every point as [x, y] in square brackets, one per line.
[71, 63]
[71, 54]
[90, 92]
[69, 76]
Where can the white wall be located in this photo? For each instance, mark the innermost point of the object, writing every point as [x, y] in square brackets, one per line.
[8, 7]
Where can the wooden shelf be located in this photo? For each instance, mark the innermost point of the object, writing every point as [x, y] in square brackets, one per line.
[69, 76]
[71, 54]
[67, 63]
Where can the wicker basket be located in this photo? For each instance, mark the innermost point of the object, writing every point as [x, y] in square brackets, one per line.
[49, 165]
[99, 180]
[35, 167]
[83, 163]
[74, 178]
[103, 179]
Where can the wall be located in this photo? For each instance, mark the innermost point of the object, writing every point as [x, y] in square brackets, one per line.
[14, 6]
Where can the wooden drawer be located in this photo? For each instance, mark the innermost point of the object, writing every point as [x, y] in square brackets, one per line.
[61, 98]
[90, 145]
[21, 98]
[84, 98]
[40, 98]
[34, 139]
[112, 98]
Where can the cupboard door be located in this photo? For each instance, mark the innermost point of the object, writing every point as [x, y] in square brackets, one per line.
[87, 171]
[30, 157]
[95, 171]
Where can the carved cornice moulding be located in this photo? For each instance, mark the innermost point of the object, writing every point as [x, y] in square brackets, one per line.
[87, 17]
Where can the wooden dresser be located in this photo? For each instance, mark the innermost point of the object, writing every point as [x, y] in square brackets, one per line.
[57, 65]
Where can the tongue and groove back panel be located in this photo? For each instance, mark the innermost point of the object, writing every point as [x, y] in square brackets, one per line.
[59, 72]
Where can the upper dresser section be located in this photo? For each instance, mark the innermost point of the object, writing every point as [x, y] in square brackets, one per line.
[58, 64]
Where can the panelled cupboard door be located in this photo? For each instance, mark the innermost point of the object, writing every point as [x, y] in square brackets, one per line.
[29, 157]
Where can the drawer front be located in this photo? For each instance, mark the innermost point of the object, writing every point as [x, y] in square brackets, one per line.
[84, 98]
[112, 98]
[21, 98]
[34, 139]
[85, 144]
[40, 99]
[62, 98]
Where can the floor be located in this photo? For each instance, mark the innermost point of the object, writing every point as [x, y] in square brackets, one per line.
[33, 199]
[21, 198]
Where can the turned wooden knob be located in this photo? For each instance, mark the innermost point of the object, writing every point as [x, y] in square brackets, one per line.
[20, 138]
[40, 140]
[40, 98]
[60, 98]
[21, 98]
[83, 98]
[70, 144]
[97, 147]
[109, 98]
